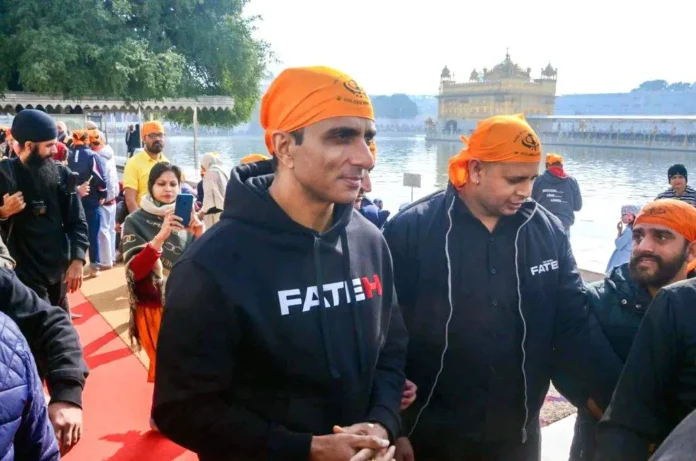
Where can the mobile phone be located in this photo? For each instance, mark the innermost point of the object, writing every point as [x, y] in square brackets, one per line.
[71, 184]
[184, 208]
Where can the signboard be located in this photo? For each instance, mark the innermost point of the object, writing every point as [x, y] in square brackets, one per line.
[412, 180]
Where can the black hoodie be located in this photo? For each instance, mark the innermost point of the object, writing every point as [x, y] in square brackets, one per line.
[561, 196]
[251, 362]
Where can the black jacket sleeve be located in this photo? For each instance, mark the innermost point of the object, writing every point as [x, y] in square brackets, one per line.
[198, 342]
[51, 336]
[581, 348]
[638, 415]
[75, 224]
[577, 196]
[389, 378]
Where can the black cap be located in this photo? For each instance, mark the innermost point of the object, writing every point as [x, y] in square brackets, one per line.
[673, 170]
[33, 125]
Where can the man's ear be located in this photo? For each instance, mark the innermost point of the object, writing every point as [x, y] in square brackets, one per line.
[691, 256]
[282, 147]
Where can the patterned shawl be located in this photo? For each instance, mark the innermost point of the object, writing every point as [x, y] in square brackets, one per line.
[139, 229]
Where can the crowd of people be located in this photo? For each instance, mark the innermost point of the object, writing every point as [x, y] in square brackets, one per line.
[287, 318]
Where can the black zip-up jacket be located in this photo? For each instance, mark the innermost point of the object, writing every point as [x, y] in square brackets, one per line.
[498, 393]
[657, 389]
[51, 336]
[619, 305]
[43, 244]
[251, 360]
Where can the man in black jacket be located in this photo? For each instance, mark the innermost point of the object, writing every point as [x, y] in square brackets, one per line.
[40, 214]
[657, 389]
[282, 338]
[660, 257]
[57, 351]
[558, 192]
[492, 299]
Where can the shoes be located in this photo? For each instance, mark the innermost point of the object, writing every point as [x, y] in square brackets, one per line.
[91, 272]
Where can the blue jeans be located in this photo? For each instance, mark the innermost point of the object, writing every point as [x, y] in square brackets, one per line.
[93, 214]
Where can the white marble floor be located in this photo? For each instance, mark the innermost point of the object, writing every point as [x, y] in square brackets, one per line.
[556, 439]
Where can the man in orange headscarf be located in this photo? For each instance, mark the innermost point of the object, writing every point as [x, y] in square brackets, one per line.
[492, 300]
[663, 233]
[657, 388]
[137, 169]
[321, 336]
[558, 192]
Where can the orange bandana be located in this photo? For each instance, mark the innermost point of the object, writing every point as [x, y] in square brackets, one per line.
[80, 137]
[503, 138]
[251, 158]
[302, 96]
[553, 158]
[153, 126]
[674, 214]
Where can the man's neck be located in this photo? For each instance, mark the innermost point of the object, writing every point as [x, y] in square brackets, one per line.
[682, 275]
[153, 156]
[680, 192]
[478, 211]
[294, 200]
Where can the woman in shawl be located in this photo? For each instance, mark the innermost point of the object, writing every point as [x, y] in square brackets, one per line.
[214, 186]
[153, 240]
[624, 241]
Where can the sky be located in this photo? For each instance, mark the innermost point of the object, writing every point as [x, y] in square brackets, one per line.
[598, 46]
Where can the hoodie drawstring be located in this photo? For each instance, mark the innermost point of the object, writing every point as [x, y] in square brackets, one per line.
[353, 305]
[323, 320]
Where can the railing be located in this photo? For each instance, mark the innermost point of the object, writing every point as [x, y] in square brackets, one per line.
[655, 142]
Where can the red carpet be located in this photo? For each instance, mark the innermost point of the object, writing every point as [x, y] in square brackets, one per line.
[117, 398]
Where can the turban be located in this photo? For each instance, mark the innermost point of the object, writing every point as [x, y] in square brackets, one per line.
[95, 136]
[254, 158]
[630, 209]
[80, 137]
[153, 126]
[553, 158]
[373, 148]
[503, 138]
[302, 96]
[90, 125]
[674, 214]
[35, 126]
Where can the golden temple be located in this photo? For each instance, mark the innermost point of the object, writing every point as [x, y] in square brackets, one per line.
[505, 89]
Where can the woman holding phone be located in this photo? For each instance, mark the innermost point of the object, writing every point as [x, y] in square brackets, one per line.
[153, 240]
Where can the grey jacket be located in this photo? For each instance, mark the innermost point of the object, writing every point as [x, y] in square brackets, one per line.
[561, 196]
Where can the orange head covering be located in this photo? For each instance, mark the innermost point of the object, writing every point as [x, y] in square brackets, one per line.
[95, 136]
[373, 148]
[251, 158]
[302, 96]
[153, 126]
[80, 137]
[674, 214]
[552, 158]
[503, 138]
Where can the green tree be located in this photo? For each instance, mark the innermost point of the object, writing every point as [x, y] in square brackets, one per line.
[652, 85]
[134, 50]
[394, 106]
[679, 86]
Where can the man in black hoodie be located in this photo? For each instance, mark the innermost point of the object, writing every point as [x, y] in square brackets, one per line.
[282, 338]
[657, 389]
[492, 300]
[558, 192]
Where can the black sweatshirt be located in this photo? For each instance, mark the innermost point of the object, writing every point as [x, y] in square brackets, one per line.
[251, 362]
[51, 335]
[657, 388]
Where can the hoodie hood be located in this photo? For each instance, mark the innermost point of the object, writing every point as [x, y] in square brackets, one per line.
[106, 152]
[552, 178]
[247, 199]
